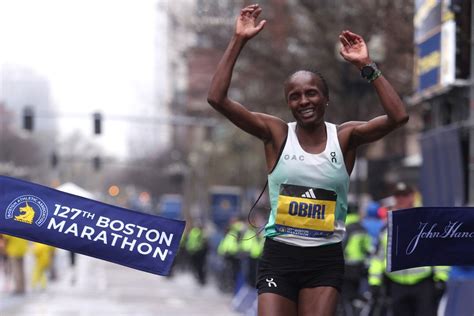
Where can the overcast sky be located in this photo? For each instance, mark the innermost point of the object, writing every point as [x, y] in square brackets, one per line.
[97, 55]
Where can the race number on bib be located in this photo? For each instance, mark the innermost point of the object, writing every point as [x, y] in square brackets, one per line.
[305, 211]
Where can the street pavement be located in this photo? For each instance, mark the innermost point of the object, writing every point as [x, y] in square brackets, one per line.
[98, 288]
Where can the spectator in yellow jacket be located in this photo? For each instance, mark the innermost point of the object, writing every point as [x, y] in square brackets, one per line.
[43, 260]
[16, 248]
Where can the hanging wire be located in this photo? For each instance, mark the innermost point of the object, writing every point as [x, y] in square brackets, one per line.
[260, 229]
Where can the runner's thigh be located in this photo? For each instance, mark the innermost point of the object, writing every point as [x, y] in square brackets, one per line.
[270, 304]
[320, 301]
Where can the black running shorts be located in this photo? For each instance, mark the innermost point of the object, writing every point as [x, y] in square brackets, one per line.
[286, 269]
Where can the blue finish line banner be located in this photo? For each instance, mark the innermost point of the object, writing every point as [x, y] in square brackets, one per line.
[430, 236]
[136, 240]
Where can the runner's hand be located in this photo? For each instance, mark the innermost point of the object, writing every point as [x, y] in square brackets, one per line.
[246, 25]
[353, 49]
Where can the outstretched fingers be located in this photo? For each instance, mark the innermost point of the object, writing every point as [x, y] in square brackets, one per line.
[247, 25]
[353, 37]
[344, 41]
[248, 10]
[257, 12]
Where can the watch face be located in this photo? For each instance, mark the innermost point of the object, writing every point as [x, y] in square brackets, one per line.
[367, 71]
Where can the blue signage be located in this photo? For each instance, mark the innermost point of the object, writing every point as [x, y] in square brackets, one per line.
[430, 236]
[224, 206]
[171, 206]
[429, 63]
[41, 214]
[427, 17]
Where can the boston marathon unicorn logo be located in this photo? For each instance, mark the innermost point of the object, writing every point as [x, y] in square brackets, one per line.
[27, 214]
[27, 209]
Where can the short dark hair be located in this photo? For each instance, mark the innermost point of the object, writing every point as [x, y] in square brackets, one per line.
[324, 88]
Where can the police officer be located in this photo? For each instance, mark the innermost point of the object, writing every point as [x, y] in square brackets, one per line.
[357, 249]
[251, 247]
[16, 249]
[229, 249]
[196, 247]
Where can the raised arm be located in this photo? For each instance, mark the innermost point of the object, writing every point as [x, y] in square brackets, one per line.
[257, 124]
[354, 50]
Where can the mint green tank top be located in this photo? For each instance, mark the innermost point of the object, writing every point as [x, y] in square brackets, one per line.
[308, 193]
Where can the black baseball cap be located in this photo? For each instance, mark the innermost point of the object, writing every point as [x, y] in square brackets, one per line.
[402, 188]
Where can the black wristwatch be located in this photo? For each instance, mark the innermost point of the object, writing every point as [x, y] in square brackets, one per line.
[370, 72]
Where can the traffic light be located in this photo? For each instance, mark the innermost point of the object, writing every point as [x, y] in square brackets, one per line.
[54, 160]
[28, 118]
[97, 123]
[97, 163]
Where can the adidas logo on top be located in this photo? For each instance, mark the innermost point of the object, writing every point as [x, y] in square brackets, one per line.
[309, 194]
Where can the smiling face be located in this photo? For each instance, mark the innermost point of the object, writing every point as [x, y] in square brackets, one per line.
[306, 99]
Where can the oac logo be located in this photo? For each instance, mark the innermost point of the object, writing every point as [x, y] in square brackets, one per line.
[27, 209]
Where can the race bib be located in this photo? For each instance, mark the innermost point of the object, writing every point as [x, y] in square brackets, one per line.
[305, 211]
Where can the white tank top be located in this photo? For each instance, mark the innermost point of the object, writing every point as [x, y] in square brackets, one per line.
[308, 193]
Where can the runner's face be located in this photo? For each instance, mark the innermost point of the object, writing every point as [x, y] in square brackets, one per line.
[305, 98]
